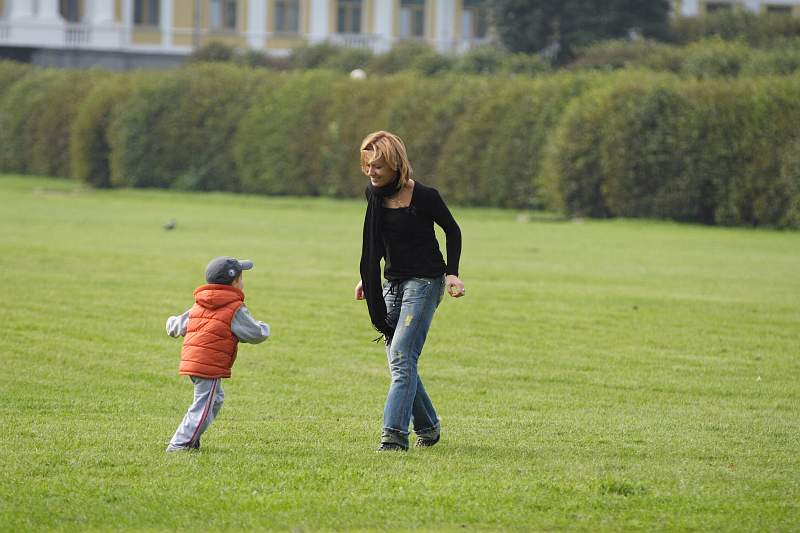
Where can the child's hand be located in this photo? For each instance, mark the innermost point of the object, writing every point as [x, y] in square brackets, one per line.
[360, 290]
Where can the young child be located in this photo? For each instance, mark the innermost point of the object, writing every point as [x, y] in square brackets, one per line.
[213, 328]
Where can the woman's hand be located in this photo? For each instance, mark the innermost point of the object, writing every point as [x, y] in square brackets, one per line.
[455, 287]
[360, 290]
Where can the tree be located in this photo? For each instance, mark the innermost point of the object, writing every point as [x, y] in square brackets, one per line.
[557, 27]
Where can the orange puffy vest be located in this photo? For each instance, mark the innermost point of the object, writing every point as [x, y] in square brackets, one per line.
[209, 347]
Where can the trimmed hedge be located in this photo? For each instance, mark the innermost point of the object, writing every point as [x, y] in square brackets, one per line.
[11, 72]
[709, 58]
[36, 114]
[753, 28]
[647, 145]
[177, 130]
[627, 143]
[90, 147]
[493, 153]
[276, 148]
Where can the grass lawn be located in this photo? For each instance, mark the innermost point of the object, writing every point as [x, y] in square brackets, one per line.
[600, 375]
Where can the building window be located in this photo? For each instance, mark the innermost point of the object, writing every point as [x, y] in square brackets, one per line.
[779, 10]
[71, 10]
[412, 18]
[475, 19]
[223, 14]
[349, 16]
[146, 12]
[716, 7]
[287, 16]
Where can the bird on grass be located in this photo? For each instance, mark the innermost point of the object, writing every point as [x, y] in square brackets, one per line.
[171, 224]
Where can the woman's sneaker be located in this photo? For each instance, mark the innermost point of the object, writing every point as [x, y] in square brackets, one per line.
[391, 447]
[422, 442]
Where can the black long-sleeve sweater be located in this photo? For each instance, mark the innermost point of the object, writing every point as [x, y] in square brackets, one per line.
[410, 240]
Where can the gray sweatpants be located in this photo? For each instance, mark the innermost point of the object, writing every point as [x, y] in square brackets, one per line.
[208, 399]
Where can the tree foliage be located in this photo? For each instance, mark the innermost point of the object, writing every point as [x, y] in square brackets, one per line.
[558, 27]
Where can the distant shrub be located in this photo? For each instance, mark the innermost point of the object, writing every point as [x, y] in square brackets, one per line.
[480, 60]
[214, 51]
[715, 58]
[514, 155]
[432, 64]
[11, 72]
[645, 145]
[744, 128]
[643, 155]
[774, 62]
[524, 65]
[458, 173]
[572, 178]
[620, 54]
[276, 147]
[256, 58]
[403, 56]
[36, 115]
[755, 29]
[89, 135]
[495, 149]
[178, 130]
[425, 116]
[348, 59]
[312, 56]
[790, 179]
[358, 107]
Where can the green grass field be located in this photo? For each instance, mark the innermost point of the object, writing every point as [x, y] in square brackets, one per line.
[600, 375]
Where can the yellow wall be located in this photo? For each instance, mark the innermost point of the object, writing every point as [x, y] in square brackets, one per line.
[369, 12]
[285, 42]
[457, 19]
[305, 5]
[183, 14]
[118, 10]
[2, 7]
[430, 19]
[142, 35]
[396, 18]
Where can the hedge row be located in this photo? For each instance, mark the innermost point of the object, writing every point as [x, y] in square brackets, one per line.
[628, 143]
[709, 58]
[651, 146]
[739, 24]
[413, 57]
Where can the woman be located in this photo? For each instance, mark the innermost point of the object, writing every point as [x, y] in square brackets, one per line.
[398, 227]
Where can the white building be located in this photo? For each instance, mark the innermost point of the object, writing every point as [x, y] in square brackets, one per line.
[167, 30]
[125, 33]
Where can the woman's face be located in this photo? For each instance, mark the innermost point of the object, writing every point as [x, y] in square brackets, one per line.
[379, 173]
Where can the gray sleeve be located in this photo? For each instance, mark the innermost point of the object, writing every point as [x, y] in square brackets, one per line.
[247, 329]
[176, 325]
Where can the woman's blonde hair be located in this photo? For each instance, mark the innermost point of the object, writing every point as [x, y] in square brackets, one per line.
[390, 148]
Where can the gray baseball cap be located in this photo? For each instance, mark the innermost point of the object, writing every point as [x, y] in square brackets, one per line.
[223, 270]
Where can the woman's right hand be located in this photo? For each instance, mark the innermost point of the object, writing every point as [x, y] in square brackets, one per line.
[360, 290]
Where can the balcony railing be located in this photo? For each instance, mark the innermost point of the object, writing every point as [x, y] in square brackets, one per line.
[77, 34]
[355, 40]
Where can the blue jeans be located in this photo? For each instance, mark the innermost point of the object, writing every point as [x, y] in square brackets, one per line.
[410, 305]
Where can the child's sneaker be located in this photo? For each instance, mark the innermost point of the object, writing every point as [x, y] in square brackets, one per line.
[173, 448]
